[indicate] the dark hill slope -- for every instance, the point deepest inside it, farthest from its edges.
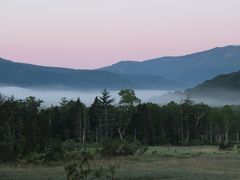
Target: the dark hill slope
(27, 75)
(226, 82)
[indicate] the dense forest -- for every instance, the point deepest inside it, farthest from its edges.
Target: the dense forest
(26, 127)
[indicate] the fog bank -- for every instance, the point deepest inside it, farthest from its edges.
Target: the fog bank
(215, 98)
(53, 97)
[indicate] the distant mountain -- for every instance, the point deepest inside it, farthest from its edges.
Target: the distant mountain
(162, 73)
(27, 75)
(223, 83)
(188, 70)
(223, 89)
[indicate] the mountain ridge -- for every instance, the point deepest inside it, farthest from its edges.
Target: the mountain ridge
(169, 72)
(29, 75)
(177, 56)
(190, 69)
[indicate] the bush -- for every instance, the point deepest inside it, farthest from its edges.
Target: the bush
(118, 148)
(35, 158)
(5, 152)
(9, 152)
(54, 151)
(110, 148)
(81, 169)
(70, 145)
(72, 155)
(77, 170)
(228, 146)
(76, 155)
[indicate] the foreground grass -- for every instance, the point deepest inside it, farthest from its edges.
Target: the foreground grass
(199, 162)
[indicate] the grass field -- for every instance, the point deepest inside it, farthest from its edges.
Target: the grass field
(198, 162)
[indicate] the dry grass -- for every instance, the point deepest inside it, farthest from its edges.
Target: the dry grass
(200, 162)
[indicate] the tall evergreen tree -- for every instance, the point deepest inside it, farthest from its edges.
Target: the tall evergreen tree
(106, 103)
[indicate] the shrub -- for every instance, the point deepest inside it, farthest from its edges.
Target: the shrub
(122, 148)
(54, 151)
(77, 170)
(35, 158)
(110, 148)
(5, 152)
(72, 155)
(70, 145)
(223, 146)
(81, 169)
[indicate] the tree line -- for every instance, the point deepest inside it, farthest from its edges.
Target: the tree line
(25, 126)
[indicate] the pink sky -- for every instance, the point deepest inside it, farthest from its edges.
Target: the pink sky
(95, 33)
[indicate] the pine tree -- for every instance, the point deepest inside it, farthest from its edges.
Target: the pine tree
(106, 103)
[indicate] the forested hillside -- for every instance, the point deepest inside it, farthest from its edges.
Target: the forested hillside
(223, 88)
(226, 82)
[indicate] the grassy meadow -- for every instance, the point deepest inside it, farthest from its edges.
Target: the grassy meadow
(196, 162)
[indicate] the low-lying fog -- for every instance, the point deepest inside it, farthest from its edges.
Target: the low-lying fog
(218, 98)
(53, 97)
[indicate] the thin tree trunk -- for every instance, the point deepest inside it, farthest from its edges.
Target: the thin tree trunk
(111, 132)
(226, 138)
(188, 133)
(106, 121)
(181, 122)
(96, 135)
(80, 125)
(226, 135)
(100, 129)
(135, 134)
(237, 137)
(84, 127)
(21, 127)
(211, 132)
(120, 134)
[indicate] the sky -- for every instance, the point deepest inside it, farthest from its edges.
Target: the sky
(88, 34)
